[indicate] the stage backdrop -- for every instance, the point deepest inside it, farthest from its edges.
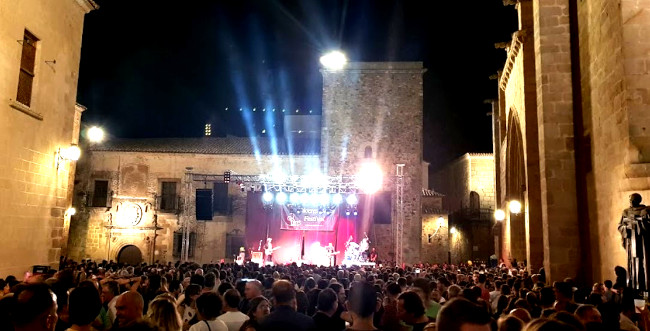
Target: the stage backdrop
(300, 237)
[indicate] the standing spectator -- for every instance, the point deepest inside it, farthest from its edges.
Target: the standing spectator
(129, 308)
(163, 314)
(285, 316)
(340, 310)
(460, 314)
(252, 290)
(363, 304)
(564, 297)
(389, 319)
(327, 305)
(83, 307)
(410, 310)
(208, 307)
(259, 310)
(187, 308)
(232, 316)
(34, 308)
(431, 307)
(110, 291)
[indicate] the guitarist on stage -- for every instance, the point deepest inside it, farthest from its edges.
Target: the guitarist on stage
(268, 251)
(329, 249)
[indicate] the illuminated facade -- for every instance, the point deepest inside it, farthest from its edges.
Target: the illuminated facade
(39, 119)
(133, 193)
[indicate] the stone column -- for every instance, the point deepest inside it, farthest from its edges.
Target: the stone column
(556, 139)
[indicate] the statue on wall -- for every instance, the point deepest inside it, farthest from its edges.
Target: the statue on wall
(635, 234)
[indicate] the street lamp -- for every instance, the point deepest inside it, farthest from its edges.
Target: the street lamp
(514, 206)
(499, 215)
(95, 134)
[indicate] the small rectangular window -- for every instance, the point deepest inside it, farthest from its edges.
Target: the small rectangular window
(100, 193)
(27, 66)
(168, 198)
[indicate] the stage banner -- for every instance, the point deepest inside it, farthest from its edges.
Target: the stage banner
(308, 220)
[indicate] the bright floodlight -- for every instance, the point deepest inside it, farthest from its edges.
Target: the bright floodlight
(370, 178)
(334, 60)
(352, 200)
(71, 153)
(267, 197)
(452, 230)
(304, 198)
(281, 198)
(71, 211)
(441, 221)
(324, 199)
(499, 215)
(514, 206)
(95, 134)
(294, 198)
(337, 198)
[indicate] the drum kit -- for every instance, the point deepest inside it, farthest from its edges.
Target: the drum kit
(356, 252)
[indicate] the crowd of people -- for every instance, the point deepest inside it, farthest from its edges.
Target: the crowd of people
(88, 295)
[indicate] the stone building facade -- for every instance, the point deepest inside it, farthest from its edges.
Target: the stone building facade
(357, 127)
(39, 64)
(435, 228)
(468, 184)
(571, 139)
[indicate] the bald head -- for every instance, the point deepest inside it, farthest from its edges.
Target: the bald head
(129, 307)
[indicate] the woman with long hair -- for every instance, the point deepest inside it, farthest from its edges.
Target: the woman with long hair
(187, 307)
(259, 308)
(162, 313)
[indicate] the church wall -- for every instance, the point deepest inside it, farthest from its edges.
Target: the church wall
(34, 193)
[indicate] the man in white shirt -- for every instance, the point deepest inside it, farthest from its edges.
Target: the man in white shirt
(232, 316)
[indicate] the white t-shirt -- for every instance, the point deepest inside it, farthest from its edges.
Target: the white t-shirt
(215, 325)
(233, 319)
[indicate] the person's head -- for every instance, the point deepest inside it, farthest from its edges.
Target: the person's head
(253, 289)
(284, 293)
(521, 314)
(423, 285)
(34, 308)
(259, 308)
(546, 296)
(129, 307)
(460, 314)
(635, 199)
(162, 313)
(567, 318)
(588, 313)
(209, 306)
(110, 290)
(328, 301)
(410, 307)
(363, 300)
(340, 292)
(608, 284)
(510, 323)
(393, 290)
(210, 280)
(232, 298)
(84, 305)
(563, 291)
(454, 291)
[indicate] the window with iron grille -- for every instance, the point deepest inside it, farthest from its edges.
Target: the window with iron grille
(100, 194)
(27, 64)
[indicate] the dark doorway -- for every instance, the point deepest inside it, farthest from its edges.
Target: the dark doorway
(129, 254)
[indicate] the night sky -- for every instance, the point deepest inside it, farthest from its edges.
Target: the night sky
(164, 69)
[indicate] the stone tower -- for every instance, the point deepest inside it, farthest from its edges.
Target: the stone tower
(374, 111)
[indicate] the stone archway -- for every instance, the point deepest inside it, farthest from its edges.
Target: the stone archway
(130, 254)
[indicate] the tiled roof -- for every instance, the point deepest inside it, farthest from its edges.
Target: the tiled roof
(431, 193)
(212, 145)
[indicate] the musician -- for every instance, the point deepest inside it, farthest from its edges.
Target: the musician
(364, 245)
(329, 249)
(268, 251)
(373, 255)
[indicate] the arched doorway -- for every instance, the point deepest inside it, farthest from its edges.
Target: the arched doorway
(129, 254)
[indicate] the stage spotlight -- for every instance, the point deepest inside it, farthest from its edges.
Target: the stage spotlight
(370, 178)
(347, 212)
(337, 198)
(324, 199)
(304, 199)
(294, 198)
(352, 200)
(267, 197)
(355, 213)
(281, 198)
(298, 211)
